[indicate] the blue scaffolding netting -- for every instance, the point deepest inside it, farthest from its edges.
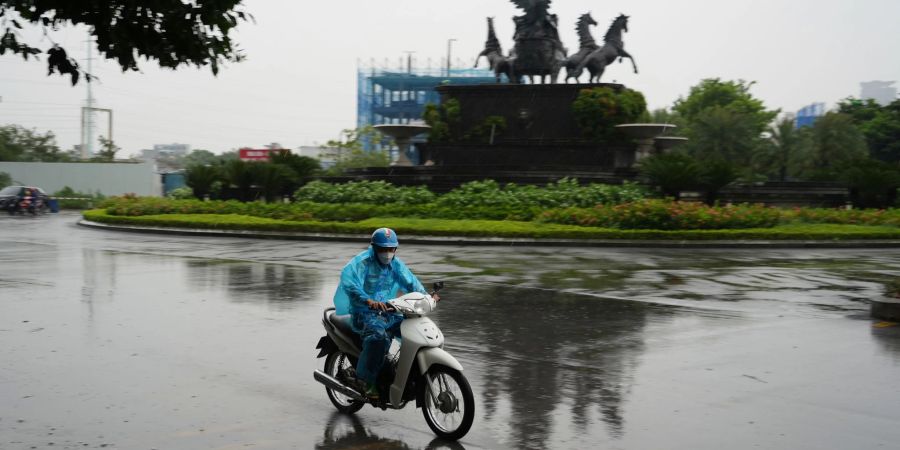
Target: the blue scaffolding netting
(396, 96)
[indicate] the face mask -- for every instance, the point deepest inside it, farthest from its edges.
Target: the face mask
(385, 257)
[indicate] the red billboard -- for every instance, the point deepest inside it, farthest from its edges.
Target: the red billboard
(255, 154)
(259, 154)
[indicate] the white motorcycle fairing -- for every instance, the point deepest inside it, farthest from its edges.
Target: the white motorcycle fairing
(421, 341)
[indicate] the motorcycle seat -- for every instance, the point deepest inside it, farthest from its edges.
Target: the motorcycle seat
(342, 323)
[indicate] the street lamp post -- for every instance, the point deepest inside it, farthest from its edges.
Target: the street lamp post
(449, 42)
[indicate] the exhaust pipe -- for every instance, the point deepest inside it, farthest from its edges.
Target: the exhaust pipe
(332, 383)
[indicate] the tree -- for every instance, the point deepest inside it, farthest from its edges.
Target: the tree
(722, 119)
(721, 133)
(834, 141)
(108, 150)
(172, 32)
(664, 115)
(304, 167)
(5, 179)
(21, 144)
(879, 124)
(872, 183)
(714, 175)
(274, 179)
(349, 152)
(198, 157)
(779, 154)
(240, 175)
(732, 95)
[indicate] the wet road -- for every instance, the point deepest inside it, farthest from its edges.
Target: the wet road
(118, 340)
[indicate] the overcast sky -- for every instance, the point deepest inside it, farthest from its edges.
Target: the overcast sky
(298, 85)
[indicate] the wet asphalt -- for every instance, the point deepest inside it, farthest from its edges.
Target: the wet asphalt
(141, 341)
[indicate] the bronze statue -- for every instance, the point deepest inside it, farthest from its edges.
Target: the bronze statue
(494, 53)
(613, 48)
(586, 46)
(538, 52)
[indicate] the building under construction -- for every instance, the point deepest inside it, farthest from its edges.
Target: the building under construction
(386, 96)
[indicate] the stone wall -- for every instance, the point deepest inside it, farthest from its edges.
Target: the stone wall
(540, 113)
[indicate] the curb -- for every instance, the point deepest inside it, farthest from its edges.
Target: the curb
(497, 241)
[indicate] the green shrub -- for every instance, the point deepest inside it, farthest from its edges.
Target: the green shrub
(598, 110)
(181, 193)
(374, 192)
(564, 193)
(671, 172)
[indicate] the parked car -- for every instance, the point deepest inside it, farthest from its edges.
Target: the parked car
(23, 199)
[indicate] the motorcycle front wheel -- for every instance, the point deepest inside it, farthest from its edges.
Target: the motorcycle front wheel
(337, 365)
(447, 402)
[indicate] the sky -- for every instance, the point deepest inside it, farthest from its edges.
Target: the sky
(298, 84)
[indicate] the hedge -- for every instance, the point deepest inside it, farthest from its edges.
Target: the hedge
(489, 228)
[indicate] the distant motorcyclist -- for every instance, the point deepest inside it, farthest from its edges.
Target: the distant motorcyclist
(26, 200)
(370, 279)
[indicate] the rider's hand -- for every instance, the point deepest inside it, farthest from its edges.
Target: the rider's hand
(377, 306)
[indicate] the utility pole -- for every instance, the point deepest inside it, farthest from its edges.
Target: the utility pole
(87, 112)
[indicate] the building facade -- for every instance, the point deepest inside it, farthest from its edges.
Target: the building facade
(808, 115)
(883, 92)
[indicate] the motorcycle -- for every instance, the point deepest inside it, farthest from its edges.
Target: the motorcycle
(419, 370)
(28, 204)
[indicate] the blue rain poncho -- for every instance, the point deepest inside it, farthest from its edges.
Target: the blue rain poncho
(365, 278)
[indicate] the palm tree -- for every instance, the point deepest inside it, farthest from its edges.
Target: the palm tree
(273, 178)
(200, 178)
(715, 174)
(241, 175)
(782, 147)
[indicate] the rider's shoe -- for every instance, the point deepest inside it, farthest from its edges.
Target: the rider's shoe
(372, 392)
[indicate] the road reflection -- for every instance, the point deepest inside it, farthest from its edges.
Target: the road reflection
(280, 286)
(348, 432)
(542, 350)
(887, 335)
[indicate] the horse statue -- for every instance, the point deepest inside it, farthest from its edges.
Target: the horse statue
(501, 65)
(613, 48)
(586, 45)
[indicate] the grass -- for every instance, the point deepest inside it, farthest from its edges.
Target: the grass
(496, 228)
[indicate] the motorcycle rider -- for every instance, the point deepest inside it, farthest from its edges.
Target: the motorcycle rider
(370, 279)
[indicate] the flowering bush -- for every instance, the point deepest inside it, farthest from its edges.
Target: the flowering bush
(656, 214)
(844, 216)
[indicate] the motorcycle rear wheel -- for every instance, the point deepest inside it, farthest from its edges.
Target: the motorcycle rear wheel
(447, 402)
(336, 365)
